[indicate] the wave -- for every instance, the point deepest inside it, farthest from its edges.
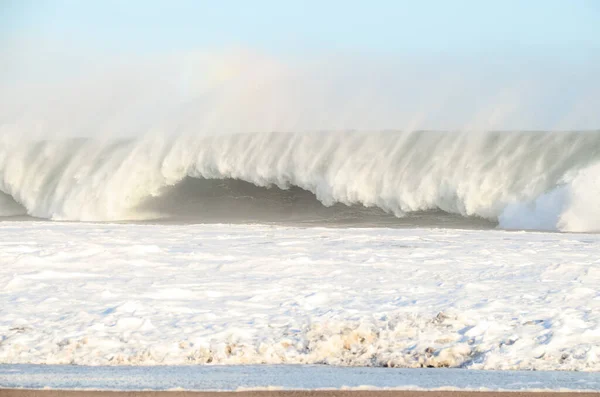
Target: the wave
(520, 180)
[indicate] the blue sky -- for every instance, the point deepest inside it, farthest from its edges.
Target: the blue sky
(461, 27)
(506, 64)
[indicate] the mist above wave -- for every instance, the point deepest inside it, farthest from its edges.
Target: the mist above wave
(244, 91)
(541, 180)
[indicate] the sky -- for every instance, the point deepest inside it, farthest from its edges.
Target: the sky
(539, 27)
(533, 61)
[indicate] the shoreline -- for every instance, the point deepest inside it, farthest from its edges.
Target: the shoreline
(285, 380)
(288, 393)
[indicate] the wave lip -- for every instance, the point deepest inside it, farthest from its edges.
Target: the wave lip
(522, 180)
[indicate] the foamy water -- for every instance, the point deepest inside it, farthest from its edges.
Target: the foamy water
(105, 294)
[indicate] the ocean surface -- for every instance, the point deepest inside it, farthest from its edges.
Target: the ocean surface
(379, 249)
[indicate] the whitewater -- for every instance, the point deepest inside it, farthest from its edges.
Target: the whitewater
(513, 180)
(344, 248)
(209, 294)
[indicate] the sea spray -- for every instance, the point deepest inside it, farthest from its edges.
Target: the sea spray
(534, 180)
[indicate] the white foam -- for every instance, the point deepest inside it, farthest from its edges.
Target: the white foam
(95, 294)
(582, 211)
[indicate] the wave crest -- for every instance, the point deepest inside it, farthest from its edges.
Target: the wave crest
(536, 180)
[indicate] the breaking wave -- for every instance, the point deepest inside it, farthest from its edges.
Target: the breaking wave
(520, 180)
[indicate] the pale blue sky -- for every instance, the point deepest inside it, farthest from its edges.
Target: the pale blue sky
(506, 64)
(463, 27)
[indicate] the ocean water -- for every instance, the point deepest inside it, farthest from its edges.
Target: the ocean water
(380, 249)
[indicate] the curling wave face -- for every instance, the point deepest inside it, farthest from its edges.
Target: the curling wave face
(529, 180)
